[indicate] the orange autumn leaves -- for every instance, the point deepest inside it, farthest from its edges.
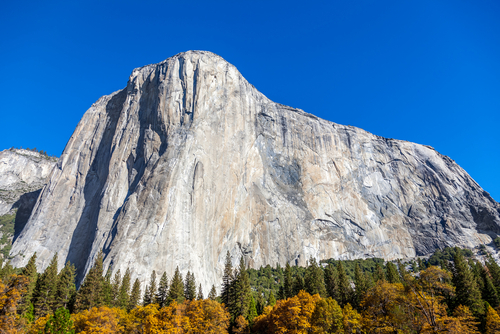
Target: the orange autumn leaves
(196, 316)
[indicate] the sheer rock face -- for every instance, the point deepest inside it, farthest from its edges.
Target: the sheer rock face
(21, 172)
(190, 161)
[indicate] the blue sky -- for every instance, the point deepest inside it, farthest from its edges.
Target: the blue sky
(422, 71)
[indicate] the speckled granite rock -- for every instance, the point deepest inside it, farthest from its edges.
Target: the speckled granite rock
(190, 160)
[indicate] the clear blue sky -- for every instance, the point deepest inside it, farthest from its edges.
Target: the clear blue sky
(423, 71)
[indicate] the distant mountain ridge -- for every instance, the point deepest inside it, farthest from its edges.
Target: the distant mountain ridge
(190, 161)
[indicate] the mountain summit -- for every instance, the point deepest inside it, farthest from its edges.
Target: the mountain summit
(190, 161)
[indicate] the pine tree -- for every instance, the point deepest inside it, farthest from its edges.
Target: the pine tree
(404, 275)
(161, 296)
(108, 289)
(150, 291)
(494, 270)
(345, 289)
(124, 293)
(421, 265)
(261, 302)
(314, 279)
(213, 293)
(190, 287)
(176, 291)
(31, 273)
(135, 295)
(488, 291)
(200, 294)
(227, 281)
(60, 322)
(45, 290)
(271, 301)
(288, 282)
(392, 273)
(298, 284)
(378, 274)
(241, 292)
(331, 281)
(115, 289)
(361, 286)
(467, 291)
(91, 292)
(65, 287)
(252, 310)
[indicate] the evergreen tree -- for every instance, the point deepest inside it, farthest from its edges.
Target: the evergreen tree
(190, 287)
(227, 281)
(65, 286)
(467, 291)
(213, 293)
(135, 295)
(488, 291)
(404, 275)
(200, 293)
(124, 293)
(314, 280)
(361, 286)
(392, 273)
(108, 289)
(45, 290)
(345, 289)
(331, 281)
(91, 292)
(421, 264)
(494, 270)
(161, 296)
(31, 273)
(241, 292)
(378, 274)
(176, 291)
(115, 289)
(150, 291)
(252, 310)
(288, 282)
(271, 301)
(298, 284)
(59, 323)
(261, 302)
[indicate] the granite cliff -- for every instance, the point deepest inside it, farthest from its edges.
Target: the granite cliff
(190, 161)
(23, 173)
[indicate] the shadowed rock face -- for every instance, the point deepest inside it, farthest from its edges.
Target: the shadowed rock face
(190, 161)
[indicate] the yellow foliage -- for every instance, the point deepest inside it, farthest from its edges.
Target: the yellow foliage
(38, 326)
(327, 317)
(241, 326)
(207, 316)
(10, 296)
(492, 321)
(351, 320)
(291, 316)
(98, 320)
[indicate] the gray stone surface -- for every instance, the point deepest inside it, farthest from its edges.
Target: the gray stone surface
(21, 172)
(190, 161)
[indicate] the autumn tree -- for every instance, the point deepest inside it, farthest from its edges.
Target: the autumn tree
(98, 320)
(351, 320)
(11, 293)
(327, 317)
(492, 321)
